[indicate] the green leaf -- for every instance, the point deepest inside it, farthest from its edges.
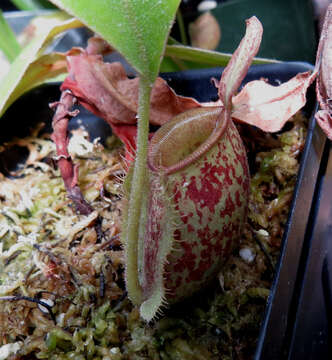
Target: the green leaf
(32, 4)
(137, 29)
(168, 65)
(46, 67)
(27, 71)
(8, 42)
(202, 56)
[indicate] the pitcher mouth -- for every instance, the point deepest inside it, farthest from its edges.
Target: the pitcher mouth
(187, 137)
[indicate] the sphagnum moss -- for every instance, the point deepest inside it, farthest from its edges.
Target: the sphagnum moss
(49, 253)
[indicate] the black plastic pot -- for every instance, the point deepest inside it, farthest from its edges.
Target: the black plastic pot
(281, 317)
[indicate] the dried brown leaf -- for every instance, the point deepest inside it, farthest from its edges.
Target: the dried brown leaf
(324, 80)
(105, 89)
(240, 62)
(269, 107)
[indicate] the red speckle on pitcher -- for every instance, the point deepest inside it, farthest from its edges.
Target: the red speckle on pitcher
(212, 202)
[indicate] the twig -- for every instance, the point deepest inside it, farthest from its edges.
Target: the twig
(69, 171)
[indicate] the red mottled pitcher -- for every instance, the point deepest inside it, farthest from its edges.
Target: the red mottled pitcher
(197, 199)
(207, 196)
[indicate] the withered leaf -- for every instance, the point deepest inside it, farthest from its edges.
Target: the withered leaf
(269, 107)
(324, 80)
(105, 89)
(240, 62)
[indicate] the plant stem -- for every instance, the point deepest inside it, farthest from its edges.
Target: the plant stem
(8, 42)
(182, 28)
(137, 207)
